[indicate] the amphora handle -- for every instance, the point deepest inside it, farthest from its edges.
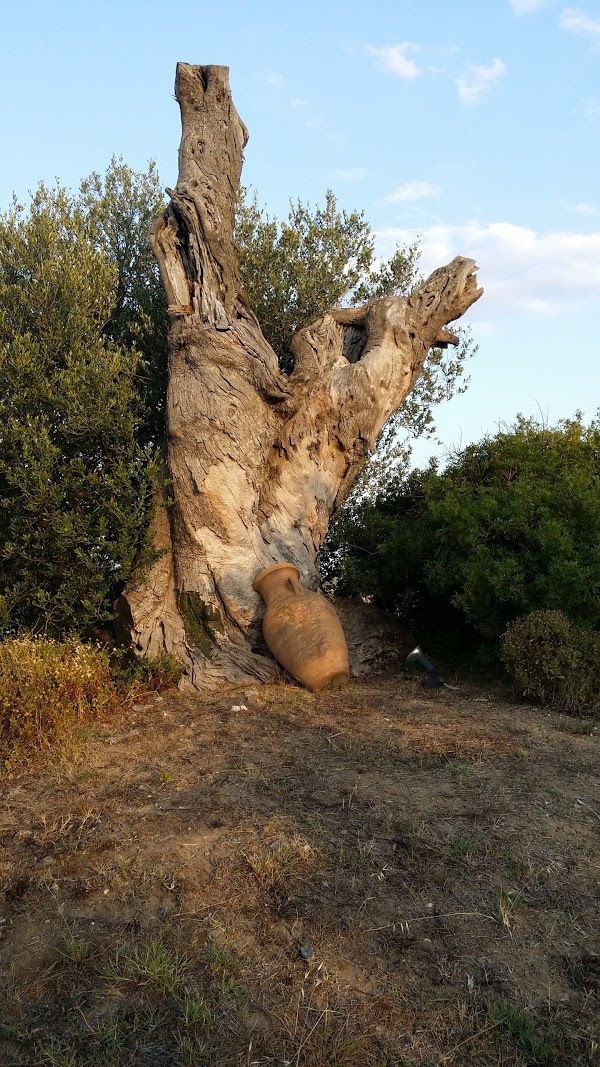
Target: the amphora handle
(295, 585)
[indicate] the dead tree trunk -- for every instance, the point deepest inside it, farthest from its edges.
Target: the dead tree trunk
(257, 461)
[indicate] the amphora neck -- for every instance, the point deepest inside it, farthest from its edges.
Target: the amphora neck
(278, 583)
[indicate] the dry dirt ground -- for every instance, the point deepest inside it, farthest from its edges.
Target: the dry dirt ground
(382, 875)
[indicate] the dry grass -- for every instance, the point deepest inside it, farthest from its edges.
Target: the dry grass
(51, 691)
(48, 689)
(372, 878)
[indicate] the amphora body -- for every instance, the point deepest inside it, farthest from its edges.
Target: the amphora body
(302, 629)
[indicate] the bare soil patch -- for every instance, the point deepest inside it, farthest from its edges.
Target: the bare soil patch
(378, 875)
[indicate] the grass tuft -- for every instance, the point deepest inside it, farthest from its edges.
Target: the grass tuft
(152, 965)
(275, 866)
(197, 1012)
(507, 903)
(49, 689)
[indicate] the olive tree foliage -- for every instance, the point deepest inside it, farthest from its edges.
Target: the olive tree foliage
(121, 207)
(319, 258)
(82, 347)
(295, 269)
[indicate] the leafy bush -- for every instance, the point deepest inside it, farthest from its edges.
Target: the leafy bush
(48, 689)
(552, 661)
(80, 321)
(511, 526)
(120, 208)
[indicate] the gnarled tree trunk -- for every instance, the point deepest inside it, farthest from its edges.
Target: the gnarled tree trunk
(257, 461)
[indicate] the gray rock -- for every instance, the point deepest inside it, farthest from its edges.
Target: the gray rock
(307, 951)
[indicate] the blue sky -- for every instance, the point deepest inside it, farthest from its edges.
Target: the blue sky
(473, 126)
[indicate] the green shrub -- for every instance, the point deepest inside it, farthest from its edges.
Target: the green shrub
(512, 525)
(48, 689)
(552, 661)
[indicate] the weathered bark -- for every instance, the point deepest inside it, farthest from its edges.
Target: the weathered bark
(257, 461)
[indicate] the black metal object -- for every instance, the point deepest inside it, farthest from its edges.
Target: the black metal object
(418, 657)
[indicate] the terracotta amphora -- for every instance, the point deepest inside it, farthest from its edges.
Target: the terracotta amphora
(302, 629)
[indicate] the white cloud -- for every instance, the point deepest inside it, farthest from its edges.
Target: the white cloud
(395, 59)
(584, 209)
(411, 191)
(274, 79)
(573, 20)
(479, 81)
(355, 174)
(521, 270)
(524, 7)
(297, 103)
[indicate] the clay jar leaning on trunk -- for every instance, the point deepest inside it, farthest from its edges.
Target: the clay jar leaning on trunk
(302, 629)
